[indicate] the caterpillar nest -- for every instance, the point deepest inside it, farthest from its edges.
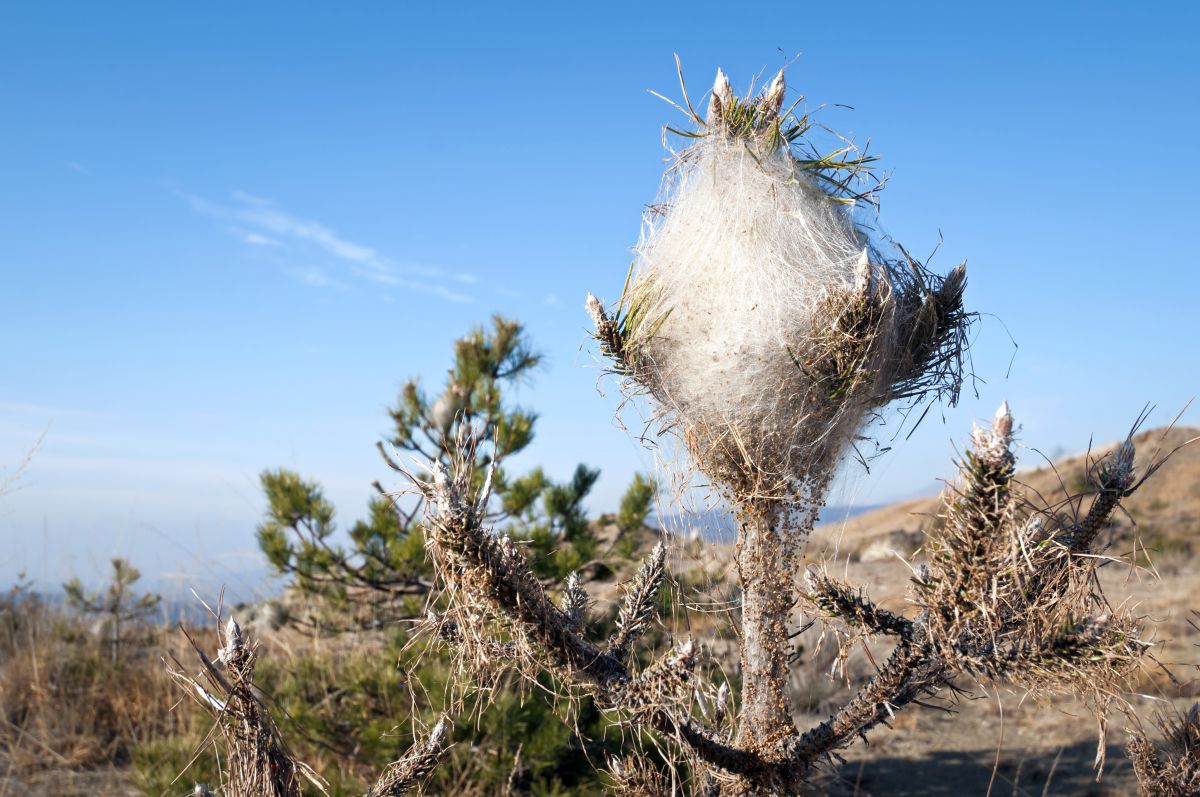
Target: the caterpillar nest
(762, 318)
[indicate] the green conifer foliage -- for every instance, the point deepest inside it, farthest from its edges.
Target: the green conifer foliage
(637, 502)
(116, 605)
(366, 574)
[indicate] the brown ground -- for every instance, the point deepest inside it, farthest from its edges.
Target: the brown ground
(95, 783)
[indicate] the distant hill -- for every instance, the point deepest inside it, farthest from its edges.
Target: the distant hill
(1165, 510)
(719, 525)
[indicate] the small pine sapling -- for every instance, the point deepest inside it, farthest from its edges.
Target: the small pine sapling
(116, 605)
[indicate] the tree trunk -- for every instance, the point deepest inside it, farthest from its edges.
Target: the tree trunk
(766, 569)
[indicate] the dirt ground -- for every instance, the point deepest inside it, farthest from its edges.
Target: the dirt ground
(100, 783)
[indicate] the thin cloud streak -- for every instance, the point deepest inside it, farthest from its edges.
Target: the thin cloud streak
(254, 239)
(261, 223)
(266, 215)
(313, 276)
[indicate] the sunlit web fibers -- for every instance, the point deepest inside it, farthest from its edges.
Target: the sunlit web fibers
(763, 319)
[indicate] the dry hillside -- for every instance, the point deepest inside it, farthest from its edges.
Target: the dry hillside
(1037, 749)
(1164, 514)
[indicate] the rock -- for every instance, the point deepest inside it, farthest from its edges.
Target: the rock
(262, 619)
(902, 543)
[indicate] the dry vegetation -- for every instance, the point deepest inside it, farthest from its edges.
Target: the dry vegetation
(1049, 744)
(74, 723)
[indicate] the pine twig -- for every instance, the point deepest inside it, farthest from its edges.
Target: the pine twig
(417, 764)
(639, 605)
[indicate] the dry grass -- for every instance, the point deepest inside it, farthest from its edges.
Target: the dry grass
(65, 706)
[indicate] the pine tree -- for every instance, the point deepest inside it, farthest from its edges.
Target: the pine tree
(384, 561)
(117, 604)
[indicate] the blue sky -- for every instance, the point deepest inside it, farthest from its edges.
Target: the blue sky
(228, 232)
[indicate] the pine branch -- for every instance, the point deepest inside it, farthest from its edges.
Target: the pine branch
(1114, 482)
(450, 633)
(480, 567)
(1004, 598)
(574, 601)
(1175, 770)
(638, 608)
(494, 570)
(662, 684)
(910, 671)
(415, 766)
(258, 762)
(855, 609)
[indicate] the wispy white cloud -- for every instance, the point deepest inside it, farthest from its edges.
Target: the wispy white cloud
(75, 166)
(254, 239)
(416, 286)
(265, 214)
(311, 275)
(261, 223)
